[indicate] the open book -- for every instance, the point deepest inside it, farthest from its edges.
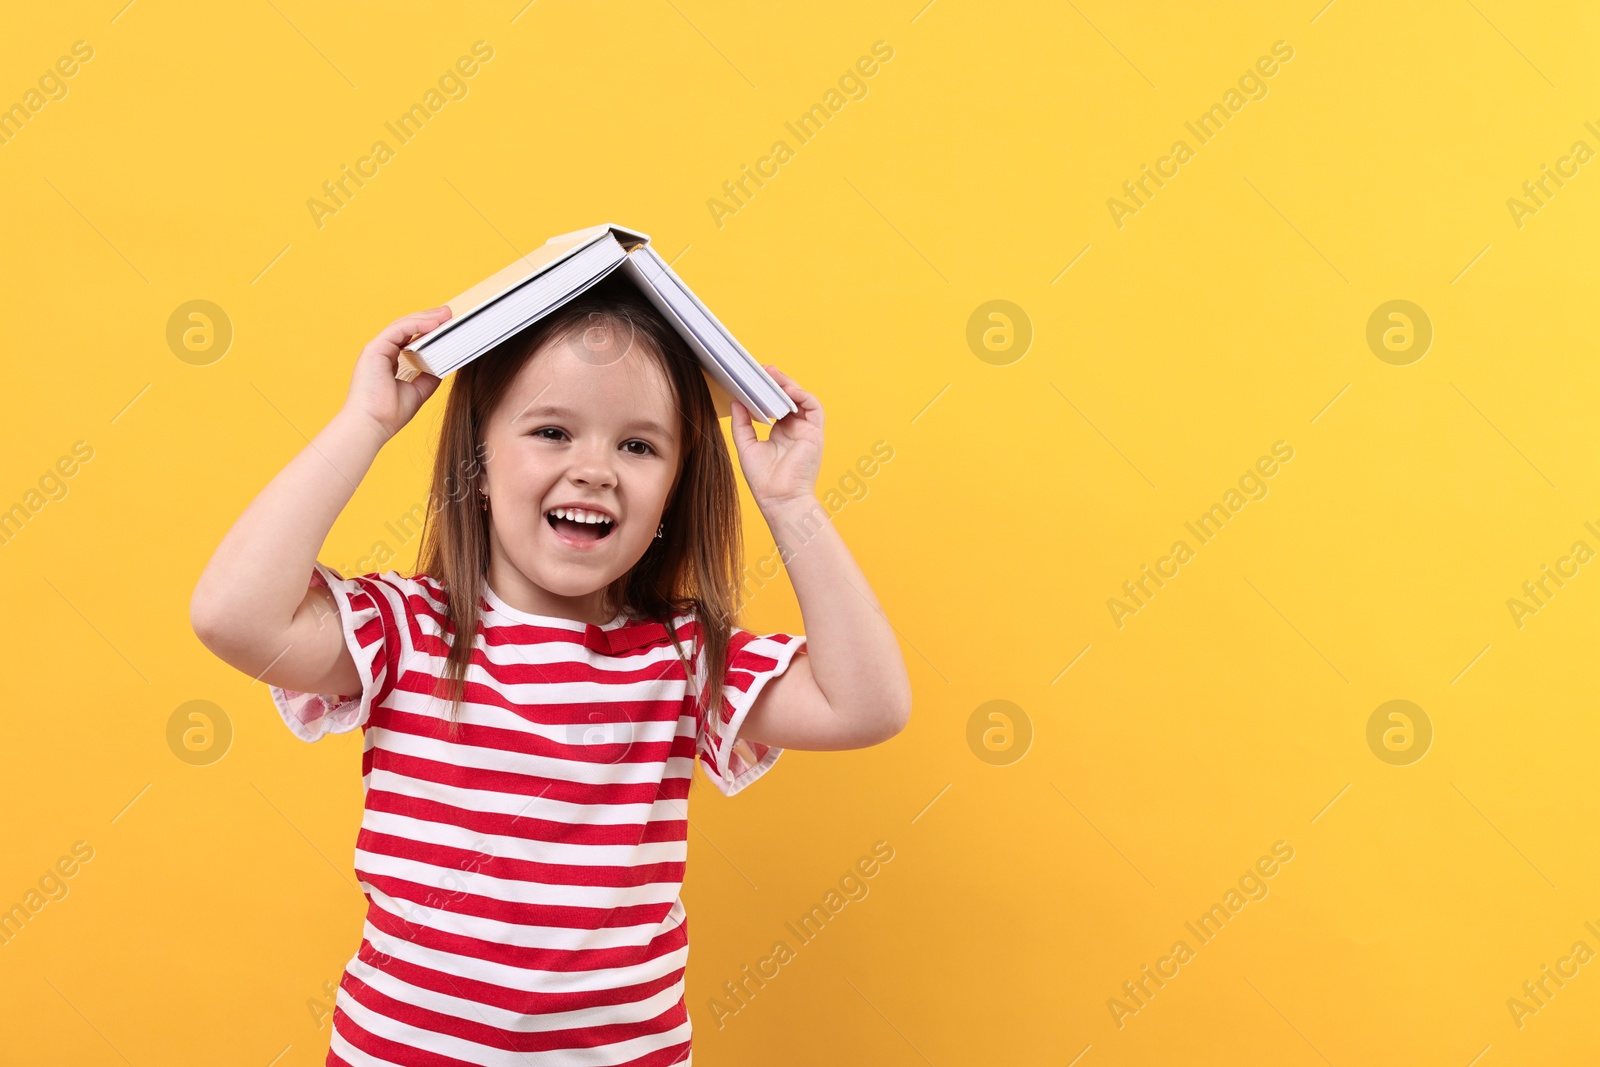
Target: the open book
(536, 284)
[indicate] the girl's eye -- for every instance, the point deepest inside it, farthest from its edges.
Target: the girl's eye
(555, 433)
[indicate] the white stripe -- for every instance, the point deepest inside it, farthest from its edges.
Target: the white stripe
(668, 708)
(513, 891)
(354, 1056)
(581, 735)
(490, 1015)
(486, 1056)
(527, 935)
(545, 653)
(548, 691)
(501, 846)
(533, 805)
(523, 978)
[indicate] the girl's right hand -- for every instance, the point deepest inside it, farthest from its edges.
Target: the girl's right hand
(375, 393)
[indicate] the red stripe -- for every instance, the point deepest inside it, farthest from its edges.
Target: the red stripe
(535, 959)
(474, 1029)
(406, 1056)
(579, 729)
(526, 827)
(629, 637)
(392, 1051)
(435, 897)
(528, 785)
(522, 1001)
(514, 869)
(388, 632)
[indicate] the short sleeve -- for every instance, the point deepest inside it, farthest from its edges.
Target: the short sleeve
(730, 761)
(371, 614)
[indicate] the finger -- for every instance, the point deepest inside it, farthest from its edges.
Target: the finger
(417, 322)
(789, 385)
(744, 432)
(404, 330)
(438, 314)
(778, 375)
(809, 405)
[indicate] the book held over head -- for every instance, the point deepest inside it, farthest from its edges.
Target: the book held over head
(527, 290)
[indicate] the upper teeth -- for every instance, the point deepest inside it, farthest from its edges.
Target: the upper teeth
(579, 515)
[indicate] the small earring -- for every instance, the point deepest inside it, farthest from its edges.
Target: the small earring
(483, 501)
(659, 528)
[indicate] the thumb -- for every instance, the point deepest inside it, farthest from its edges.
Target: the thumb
(744, 432)
(423, 385)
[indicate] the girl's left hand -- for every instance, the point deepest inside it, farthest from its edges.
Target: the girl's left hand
(784, 467)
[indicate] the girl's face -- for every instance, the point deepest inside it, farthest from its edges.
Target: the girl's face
(579, 428)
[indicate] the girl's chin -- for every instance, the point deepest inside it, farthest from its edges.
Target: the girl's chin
(567, 583)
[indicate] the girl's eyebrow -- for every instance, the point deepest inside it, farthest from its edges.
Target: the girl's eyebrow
(557, 412)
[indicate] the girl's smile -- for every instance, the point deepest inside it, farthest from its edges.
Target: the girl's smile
(580, 526)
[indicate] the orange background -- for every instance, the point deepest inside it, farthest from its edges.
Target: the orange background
(1137, 772)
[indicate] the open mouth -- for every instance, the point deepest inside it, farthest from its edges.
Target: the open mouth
(575, 524)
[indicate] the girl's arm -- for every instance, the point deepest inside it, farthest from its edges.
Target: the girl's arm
(253, 606)
(850, 689)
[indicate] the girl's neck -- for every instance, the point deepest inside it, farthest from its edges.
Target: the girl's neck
(518, 591)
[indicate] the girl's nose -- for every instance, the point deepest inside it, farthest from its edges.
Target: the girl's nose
(594, 471)
(594, 479)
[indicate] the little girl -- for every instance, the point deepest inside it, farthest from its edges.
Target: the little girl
(533, 702)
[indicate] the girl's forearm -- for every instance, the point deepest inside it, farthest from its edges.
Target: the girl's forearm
(257, 577)
(853, 654)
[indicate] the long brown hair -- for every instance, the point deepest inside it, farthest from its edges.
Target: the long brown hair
(694, 566)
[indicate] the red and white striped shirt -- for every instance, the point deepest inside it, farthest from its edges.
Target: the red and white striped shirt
(523, 876)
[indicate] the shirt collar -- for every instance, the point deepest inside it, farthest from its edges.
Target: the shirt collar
(632, 635)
